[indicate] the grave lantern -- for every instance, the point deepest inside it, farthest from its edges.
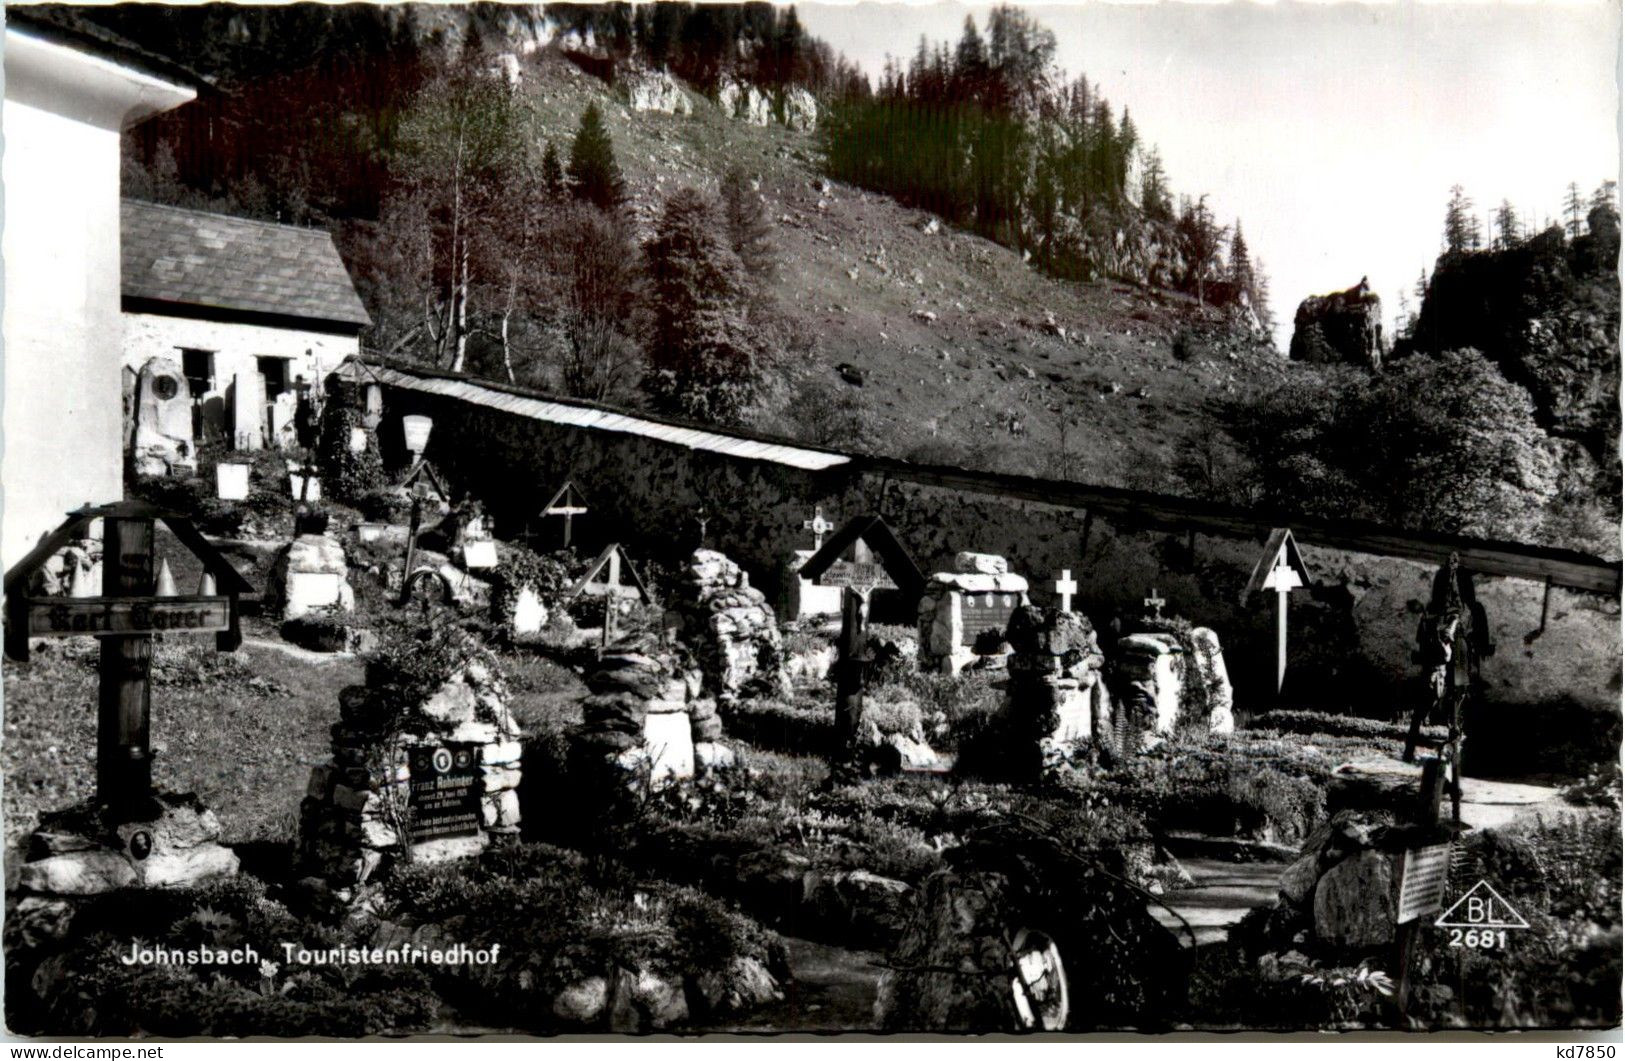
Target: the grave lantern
(416, 431)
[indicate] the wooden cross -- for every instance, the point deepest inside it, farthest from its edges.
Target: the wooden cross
(138, 600)
(819, 527)
(1065, 587)
(1155, 603)
(565, 504)
(612, 589)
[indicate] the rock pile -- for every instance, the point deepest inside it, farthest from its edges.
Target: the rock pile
(441, 775)
(1148, 688)
(1054, 696)
(79, 851)
(1340, 893)
(650, 721)
(730, 628)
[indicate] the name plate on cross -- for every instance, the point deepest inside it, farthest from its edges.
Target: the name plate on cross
(100, 616)
(859, 575)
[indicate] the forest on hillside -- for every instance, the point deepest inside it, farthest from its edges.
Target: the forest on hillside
(992, 136)
(483, 242)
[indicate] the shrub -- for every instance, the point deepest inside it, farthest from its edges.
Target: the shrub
(89, 991)
(549, 575)
(346, 474)
(1312, 722)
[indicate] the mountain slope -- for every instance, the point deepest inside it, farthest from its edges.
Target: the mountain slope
(966, 354)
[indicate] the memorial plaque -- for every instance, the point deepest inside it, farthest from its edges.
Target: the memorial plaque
(862, 576)
(1423, 876)
(445, 797)
(102, 616)
(986, 611)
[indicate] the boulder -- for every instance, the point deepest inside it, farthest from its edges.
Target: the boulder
(1354, 902)
(1209, 668)
(980, 564)
(583, 1002)
(742, 986)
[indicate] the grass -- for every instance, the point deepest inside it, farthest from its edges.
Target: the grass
(241, 730)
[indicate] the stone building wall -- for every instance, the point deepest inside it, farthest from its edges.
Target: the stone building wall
(1351, 635)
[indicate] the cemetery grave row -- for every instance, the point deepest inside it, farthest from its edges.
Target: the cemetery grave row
(430, 765)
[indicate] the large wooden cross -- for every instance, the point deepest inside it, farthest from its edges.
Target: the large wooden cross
(1281, 569)
(124, 618)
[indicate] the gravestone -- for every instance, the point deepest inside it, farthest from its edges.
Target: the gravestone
(310, 573)
(231, 481)
(1147, 689)
(650, 721)
(479, 551)
(529, 613)
(247, 409)
(284, 412)
(958, 607)
(163, 443)
(1054, 685)
(440, 776)
(1207, 667)
(729, 626)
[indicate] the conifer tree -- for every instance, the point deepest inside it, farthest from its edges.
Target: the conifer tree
(1507, 232)
(1459, 225)
(552, 172)
(594, 175)
(701, 358)
(749, 230)
(1574, 212)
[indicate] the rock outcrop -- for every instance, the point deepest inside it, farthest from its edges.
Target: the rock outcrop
(1547, 312)
(659, 92)
(1340, 328)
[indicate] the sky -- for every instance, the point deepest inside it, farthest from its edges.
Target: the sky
(1333, 131)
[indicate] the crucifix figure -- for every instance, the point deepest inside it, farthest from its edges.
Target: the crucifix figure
(1065, 586)
(702, 518)
(819, 527)
(1155, 603)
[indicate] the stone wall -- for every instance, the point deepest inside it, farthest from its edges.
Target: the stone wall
(1351, 635)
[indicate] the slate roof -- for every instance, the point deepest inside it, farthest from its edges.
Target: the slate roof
(204, 261)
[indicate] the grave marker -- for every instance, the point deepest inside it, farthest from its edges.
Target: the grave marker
(1281, 569)
(1065, 587)
(124, 617)
(1154, 603)
(819, 527)
(611, 562)
(566, 505)
(444, 796)
(863, 556)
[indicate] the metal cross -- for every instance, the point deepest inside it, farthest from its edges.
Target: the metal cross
(701, 517)
(1155, 603)
(819, 527)
(1065, 587)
